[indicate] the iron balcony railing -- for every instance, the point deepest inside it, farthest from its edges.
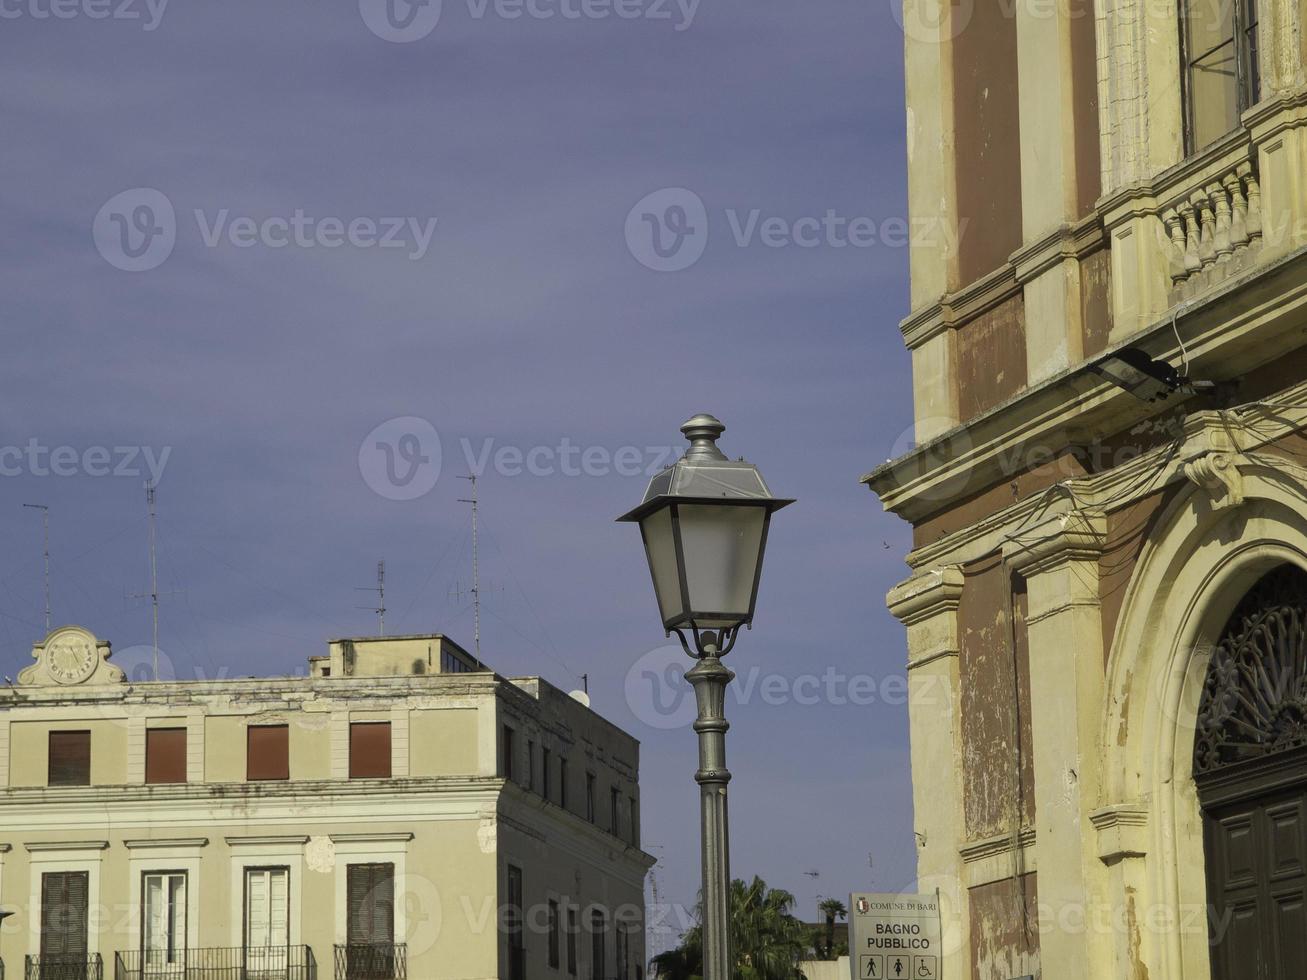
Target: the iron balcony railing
(218, 963)
(372, 961)
(63, 967)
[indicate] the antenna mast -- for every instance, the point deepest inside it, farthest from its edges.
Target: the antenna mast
(153, 594)
(476, 570)
(45, 527)
(380, 590)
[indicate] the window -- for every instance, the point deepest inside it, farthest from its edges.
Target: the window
(635, 821)
(1220, 66)
(598, 954)
(370, 908)
(562, 783)
(451, 664)
(530, 765)
(623, 951)
(554, 926)
(267, 752)
(65, 897)
(70, 759)
(513, 926)
(614, 812)
(369, 750)
(544, 765)
(508, 750)
(165, 755)
(163, 919)
(267, 912)
(571, 941)
(590, 796)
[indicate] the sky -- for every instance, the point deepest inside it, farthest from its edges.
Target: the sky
(307, 264)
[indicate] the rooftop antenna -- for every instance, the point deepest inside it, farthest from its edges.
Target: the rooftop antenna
(476, 569)
(380, 590)
(153, 594)
(45, 526)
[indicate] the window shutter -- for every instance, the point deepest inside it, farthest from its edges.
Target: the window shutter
(370, 901)
(70, 759)
(165, 755)
(267, 752)
(64, 905)
(369, 750)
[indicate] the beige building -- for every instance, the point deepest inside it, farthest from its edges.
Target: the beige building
(1106, 602)
(401, 812)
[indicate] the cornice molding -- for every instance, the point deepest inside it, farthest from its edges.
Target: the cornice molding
(1068, 241)
(927, 595)
(1122, 831)
(44, 846)
(1074, 536)
(1076, 406)
(145, 844)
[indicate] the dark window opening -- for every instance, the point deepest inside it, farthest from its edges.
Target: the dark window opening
(70, 759)
(165, 755)
(369, 750)
(1221, 74)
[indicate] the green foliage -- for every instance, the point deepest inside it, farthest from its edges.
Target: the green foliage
(833, 909)
(766, 939)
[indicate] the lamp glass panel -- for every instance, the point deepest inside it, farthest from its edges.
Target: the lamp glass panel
(660, 546)
(722, 545)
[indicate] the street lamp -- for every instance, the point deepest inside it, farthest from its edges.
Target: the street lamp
(704, 522)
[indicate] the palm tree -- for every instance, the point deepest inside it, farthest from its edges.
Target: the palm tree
(833, 909)
(766, 939)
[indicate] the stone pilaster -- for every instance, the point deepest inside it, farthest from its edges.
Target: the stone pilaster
(927, 604)
(1059, 561)
(1122, 847)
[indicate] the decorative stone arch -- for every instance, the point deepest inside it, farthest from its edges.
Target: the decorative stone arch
(1206, 551)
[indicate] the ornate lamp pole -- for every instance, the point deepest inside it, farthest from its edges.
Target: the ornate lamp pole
(704, 521)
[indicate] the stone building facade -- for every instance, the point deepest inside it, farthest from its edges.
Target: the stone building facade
(1106, 602)
(402, 811)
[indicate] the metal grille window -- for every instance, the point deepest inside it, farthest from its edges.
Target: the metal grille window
(70, 759)
(554, 928)
(267, 752)
(165, 755)
(513, 926)
(369, 750)
(1219, 56)
(571, 941)
(508, 749)
(598, 952)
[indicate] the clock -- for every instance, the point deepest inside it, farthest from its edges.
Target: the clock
(71, 659)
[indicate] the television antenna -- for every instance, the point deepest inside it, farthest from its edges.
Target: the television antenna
(475, 590)
(380, 590)
(45, 527)
(154, 594)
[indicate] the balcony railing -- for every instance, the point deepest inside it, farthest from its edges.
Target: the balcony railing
(218, 963)
(372, 961)
(64, 967)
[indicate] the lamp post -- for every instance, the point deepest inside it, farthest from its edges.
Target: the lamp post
(704, 522)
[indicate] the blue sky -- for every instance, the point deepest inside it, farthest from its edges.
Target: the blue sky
(510, 309)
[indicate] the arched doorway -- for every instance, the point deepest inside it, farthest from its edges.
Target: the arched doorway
(1250, 769)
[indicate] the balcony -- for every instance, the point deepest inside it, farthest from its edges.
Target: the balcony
(218, 963)
(64, 967)
(371, 961)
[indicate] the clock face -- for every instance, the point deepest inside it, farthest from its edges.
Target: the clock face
(70, 659)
